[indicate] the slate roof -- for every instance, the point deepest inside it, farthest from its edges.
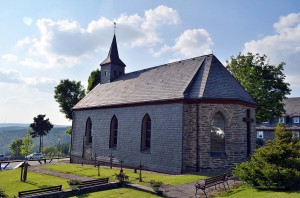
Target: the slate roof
(202, 77)
(292, 106)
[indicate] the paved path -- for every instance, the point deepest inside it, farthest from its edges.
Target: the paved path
(188, 190)
(57, 174)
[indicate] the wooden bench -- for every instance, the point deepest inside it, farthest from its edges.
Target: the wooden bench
(212, 181)
(94, 182)
(28, 193)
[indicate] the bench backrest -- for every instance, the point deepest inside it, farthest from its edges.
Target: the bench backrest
(94, 182)
(216, 179)
(39, 191)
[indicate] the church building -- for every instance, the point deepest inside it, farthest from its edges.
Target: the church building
(189, 115)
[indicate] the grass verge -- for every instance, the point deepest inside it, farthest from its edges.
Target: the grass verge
(246, 192)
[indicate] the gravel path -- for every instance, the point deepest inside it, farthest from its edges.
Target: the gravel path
(57, 174)
(188, 190)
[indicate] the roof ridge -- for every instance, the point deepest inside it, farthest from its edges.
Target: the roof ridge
(166, 64)
(191, 82)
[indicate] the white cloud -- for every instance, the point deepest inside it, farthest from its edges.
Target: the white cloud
(27, 21)
(64, 43)
(284, 45)
(21, 103)
(287, 22)
(9, 57)
(294, 80)
(25, 41)
(192, 42)
(159, 16)
(9, 76)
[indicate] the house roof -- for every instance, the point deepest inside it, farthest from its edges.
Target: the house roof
(272, 128)
(113, 55)
(202, 77)
(292, 106)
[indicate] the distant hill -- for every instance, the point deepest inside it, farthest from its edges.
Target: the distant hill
(11, 131)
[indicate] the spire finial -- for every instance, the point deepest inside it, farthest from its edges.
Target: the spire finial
(115, 27)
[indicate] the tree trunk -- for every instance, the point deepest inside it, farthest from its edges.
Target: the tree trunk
(40, 149)
(42, 144)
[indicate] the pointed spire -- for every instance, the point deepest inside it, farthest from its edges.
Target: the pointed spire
(113, 55)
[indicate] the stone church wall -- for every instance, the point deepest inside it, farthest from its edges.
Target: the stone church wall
(235, 136)
(166, 135)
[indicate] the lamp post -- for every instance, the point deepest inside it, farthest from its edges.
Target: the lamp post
(58, 147)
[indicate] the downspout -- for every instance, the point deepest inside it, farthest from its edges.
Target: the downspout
(197, 138)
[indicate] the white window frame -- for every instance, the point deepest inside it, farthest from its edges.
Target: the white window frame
(296, 120)
(296, 134)
(260, 134)
(281, 119)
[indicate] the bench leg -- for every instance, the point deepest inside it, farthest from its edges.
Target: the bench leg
(224, 186)
(205, 193)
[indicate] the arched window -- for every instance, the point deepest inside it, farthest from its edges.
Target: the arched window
(113, 139)
(146, 133)
(218, 133)
(88, 131)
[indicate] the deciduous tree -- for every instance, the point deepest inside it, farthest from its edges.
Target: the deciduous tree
(50, 151)
(15, 147)
(27, 144)
(40, 127)
(94, 79)
(264, 82)
(68, 94)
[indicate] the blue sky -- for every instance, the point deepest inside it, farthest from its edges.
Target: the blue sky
(42, 42)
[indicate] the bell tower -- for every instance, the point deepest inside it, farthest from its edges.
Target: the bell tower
(112, 66)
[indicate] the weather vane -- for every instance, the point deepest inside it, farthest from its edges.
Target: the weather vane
(115, 27)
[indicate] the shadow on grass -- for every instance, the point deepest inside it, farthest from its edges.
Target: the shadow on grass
(37, 184)
(83, 196)
(278, 190)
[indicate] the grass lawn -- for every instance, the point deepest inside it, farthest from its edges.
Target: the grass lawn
(121, 192)
(253, 193)
(91, 171)
(10, 181)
